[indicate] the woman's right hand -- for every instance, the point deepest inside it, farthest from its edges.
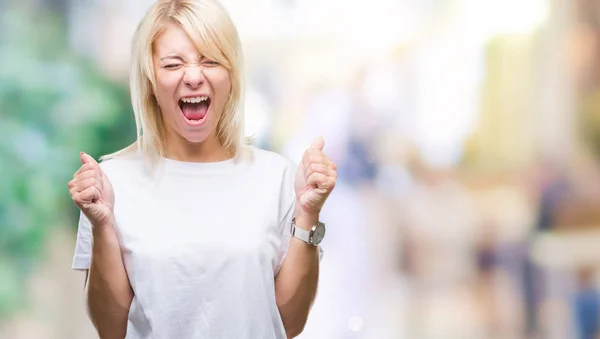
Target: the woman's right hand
(92, 192)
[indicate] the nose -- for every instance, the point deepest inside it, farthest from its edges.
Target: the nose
(193, 76)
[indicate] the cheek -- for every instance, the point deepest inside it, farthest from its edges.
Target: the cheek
(225, 83)
(167, 82)
(166, 85)
(221, 82)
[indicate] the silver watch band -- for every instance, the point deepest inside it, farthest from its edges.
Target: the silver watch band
(314, 236)
(300, 233)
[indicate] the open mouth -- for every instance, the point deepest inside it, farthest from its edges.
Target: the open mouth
(194, 109)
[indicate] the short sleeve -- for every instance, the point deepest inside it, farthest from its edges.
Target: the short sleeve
(83, 246)
(285, 227)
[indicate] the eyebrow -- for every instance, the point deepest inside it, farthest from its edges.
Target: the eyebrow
(176, 57)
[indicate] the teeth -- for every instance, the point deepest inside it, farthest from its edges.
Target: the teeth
(194, 100)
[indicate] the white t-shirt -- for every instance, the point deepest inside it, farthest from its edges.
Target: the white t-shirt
(201, 243)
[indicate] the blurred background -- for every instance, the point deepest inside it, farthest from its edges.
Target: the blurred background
(467, 134)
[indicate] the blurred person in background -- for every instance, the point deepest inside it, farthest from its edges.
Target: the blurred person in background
(553, 188)
(189, 232)
(586, 305)
(487, 266)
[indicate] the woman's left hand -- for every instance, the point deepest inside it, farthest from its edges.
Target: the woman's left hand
(315, 179)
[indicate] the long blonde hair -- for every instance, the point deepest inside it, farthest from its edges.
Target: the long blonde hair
(210, 28)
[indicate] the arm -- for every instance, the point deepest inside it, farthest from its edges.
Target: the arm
(296, 282)
(108, 293)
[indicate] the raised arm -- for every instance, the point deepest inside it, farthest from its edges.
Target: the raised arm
(296, 282)
(108, 292)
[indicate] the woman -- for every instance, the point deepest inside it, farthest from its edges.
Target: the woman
(190, 233)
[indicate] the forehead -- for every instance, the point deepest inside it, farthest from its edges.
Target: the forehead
(174, 41)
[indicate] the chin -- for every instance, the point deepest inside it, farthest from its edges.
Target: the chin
(195, 138)
(195, 134)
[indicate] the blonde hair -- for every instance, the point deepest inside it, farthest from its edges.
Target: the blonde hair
(208, 25)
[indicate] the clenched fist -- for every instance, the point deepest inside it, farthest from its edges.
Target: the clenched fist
(315, 179)
(92, 192)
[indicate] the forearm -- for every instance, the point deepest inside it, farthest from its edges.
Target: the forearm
(108, 290)
(296, 282)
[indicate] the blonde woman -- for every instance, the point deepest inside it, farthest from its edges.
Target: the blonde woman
(189, 232)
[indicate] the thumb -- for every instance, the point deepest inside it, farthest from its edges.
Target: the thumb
(319, 143)
(85, 158)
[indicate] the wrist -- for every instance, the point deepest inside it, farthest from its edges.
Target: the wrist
(104, 228)
(306, 220)
(308, 229)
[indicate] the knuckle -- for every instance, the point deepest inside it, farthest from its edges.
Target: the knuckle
(77, 198)
(85, 194)
(86, 183)
(86, 170)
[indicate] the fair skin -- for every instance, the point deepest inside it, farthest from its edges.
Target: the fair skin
(108, 292)
(296, 282)
(182, 72)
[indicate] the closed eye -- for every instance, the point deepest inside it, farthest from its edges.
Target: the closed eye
(172, 66)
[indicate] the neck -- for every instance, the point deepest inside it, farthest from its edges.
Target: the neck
(209, 150)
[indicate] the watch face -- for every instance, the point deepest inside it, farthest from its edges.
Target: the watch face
(318, 234)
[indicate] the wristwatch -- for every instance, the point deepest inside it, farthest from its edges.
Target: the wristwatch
(313, 237)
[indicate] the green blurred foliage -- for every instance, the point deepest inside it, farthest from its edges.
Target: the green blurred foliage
(53, 104)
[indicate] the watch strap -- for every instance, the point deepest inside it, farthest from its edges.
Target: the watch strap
(300, 233)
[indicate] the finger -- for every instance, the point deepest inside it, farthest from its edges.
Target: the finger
(83, 168)
(318, 168)
(83, 181)
(324, 159)
(317, 161)
(321, 181)
(333, 166)
(85, 184)
(87, 159)
(313, 155)
(86, 175)
(319, 143)
(87, 196)
(73, 185)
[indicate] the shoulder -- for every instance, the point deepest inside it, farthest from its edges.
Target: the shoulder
(124, 165)
(274, 173)
(271, 161)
